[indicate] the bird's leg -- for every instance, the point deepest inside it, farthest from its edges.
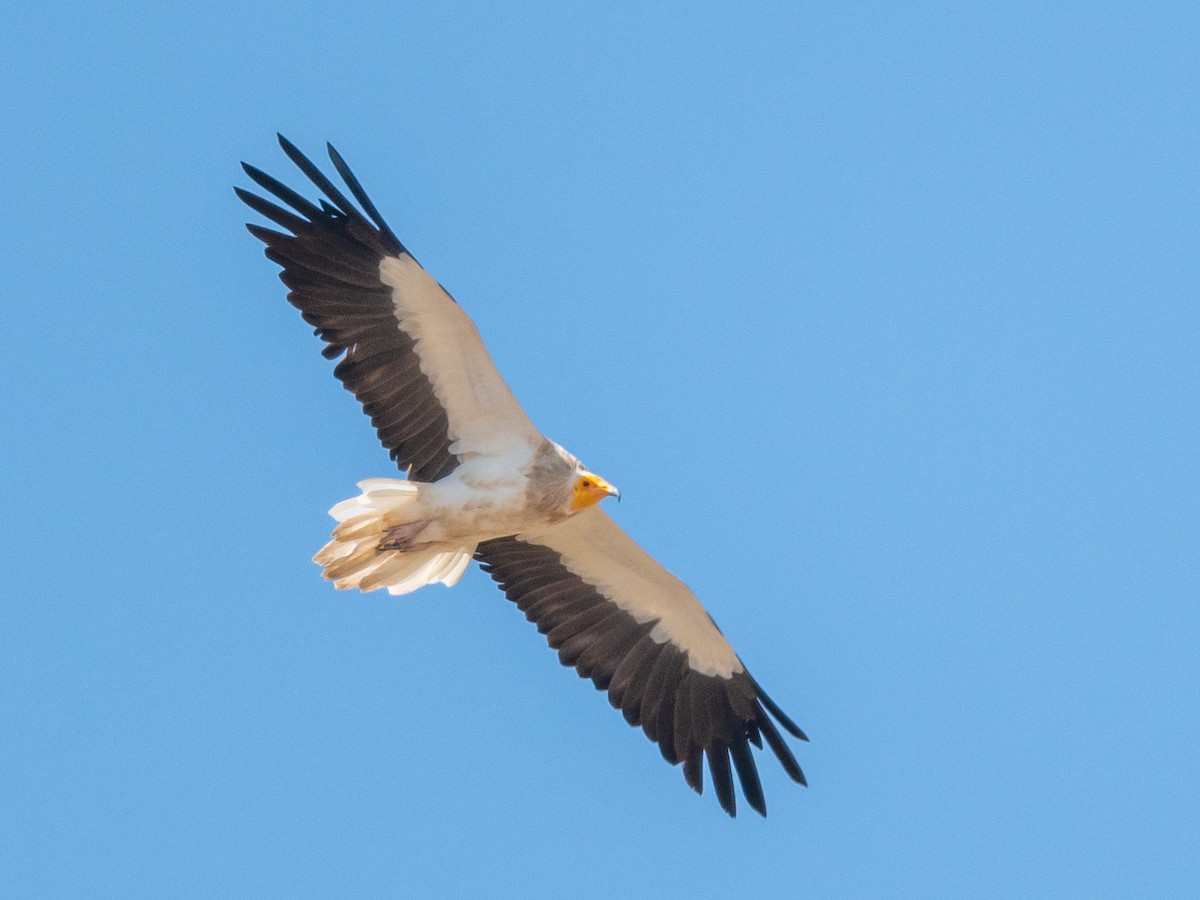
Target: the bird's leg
(401, 537)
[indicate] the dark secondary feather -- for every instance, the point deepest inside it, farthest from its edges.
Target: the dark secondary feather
(330, 255)
(691, 716)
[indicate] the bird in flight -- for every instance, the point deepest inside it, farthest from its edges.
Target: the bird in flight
(483, 483)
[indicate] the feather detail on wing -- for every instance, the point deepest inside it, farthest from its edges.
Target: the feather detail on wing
(628, 624)
(408, 352)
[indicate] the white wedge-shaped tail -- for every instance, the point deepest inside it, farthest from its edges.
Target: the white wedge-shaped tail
(353, 558)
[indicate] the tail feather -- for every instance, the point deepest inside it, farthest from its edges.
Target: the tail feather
(358, 527)
(357, 560)
(377, 494)
(410, 571)
(352, 559)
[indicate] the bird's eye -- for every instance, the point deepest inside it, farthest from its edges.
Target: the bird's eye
(585, 483)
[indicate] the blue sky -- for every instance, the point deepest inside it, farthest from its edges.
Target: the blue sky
(885, 322)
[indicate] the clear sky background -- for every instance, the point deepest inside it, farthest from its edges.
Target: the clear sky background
(884, 320)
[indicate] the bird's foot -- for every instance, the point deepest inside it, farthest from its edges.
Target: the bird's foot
(401, 537)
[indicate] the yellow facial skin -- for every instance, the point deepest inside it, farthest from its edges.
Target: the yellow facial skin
(590, 489)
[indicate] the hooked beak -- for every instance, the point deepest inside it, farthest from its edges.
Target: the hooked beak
(591, 489)
(609, 490)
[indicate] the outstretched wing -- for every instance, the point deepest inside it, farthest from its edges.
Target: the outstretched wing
(408, 352)
(636, 630)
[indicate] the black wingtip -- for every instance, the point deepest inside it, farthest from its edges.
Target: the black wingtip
(693, 770)
(791, 727)
(303, 163)
(780, 748)
(356, 188)
(722, 778)
(289, 148)
(747, 772)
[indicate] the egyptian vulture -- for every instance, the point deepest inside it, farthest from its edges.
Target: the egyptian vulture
(483, 483)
